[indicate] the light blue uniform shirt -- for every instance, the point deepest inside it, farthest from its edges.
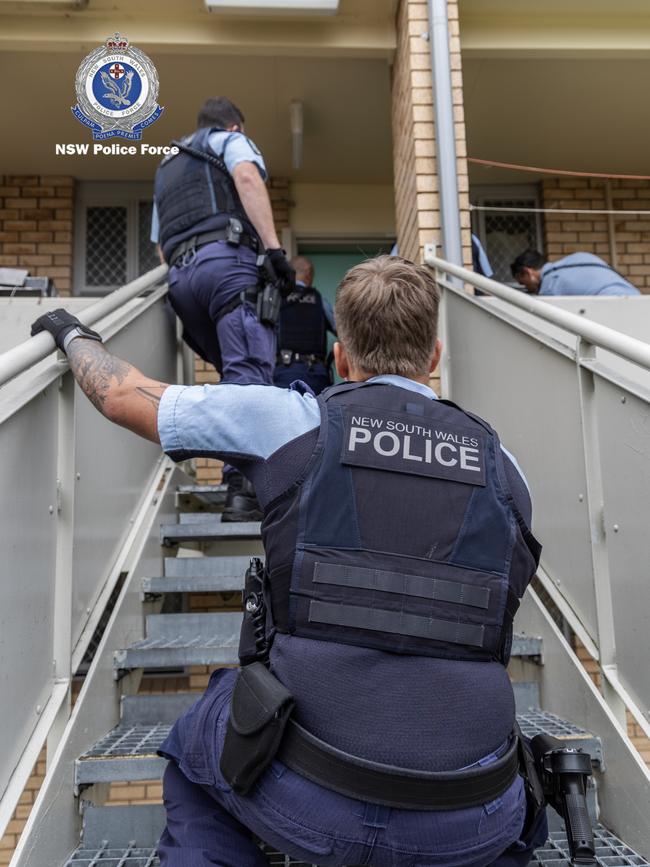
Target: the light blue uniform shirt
(233, 148)
(583, 274)
(253, 421)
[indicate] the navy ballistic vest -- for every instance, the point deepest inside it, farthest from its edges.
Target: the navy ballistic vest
(193, 196)
(402, 534)
(302, 326)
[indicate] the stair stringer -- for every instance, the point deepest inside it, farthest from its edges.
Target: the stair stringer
(54, 825)
(568, 691)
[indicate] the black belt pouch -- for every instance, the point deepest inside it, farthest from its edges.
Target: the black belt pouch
(259, 711)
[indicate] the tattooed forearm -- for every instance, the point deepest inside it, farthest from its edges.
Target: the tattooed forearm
(96, 370)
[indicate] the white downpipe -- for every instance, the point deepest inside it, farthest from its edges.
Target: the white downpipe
(445, 138)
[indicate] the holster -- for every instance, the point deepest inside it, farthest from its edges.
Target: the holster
(259, 711)
(535, 798)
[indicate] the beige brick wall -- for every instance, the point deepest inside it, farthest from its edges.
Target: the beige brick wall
(36, 226)
(417, 206)
(634, 730)
(569, 233)
(15, 827)
(208, 472)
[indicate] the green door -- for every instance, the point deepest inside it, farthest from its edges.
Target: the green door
(330, 266)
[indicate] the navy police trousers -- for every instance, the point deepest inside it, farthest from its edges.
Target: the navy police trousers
(237, 344)
(207, 824)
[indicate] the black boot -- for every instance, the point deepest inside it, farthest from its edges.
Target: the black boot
(241, 502)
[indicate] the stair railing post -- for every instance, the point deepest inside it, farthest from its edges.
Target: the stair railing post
(586, 352)
(66, 482)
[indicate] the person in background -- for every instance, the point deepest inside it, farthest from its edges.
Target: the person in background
(576, 274)
(305, 319)
(212, 217)
(480, 261)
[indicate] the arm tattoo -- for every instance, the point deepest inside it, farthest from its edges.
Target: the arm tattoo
(95, 368)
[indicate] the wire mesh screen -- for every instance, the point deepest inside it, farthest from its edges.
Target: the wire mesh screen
(147, 256)
(507, 234)
(106, 246)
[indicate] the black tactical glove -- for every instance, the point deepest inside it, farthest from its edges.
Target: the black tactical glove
(61, 326)
(286, 275)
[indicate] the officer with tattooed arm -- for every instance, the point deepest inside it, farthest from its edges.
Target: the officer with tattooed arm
(372, 720)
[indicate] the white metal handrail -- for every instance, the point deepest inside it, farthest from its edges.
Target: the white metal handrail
(626, 347)
(35, 349)
(588, 466)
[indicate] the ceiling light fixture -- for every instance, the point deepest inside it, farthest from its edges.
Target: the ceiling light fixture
(274, 7)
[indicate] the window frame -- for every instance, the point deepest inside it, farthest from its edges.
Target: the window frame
(481, 193)
(107, 194)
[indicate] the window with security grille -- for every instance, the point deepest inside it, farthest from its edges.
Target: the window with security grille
(106, 246)
(505, 234)
(112, 241)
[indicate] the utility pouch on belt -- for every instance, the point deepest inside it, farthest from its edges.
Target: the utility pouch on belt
(269, 302)
(259, 712)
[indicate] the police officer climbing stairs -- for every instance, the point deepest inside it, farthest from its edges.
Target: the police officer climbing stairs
(214, 225)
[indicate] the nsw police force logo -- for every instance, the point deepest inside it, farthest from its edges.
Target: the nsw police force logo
(117, 88)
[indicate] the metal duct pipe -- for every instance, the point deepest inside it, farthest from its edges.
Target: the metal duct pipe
(445, 138)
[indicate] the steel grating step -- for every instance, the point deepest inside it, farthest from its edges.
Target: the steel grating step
(205, 567)
(610, 852)
(205, 527)
(175, 640)
(125, 754)
(135, 825)
(105, 856)
(541, 722)
(128, 752)
(199, 575)
(150, 710)
(202, 495)
(527, 646)
(206, 575)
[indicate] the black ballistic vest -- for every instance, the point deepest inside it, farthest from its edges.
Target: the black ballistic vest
(194, 196)
(302, 326)
(402, 534)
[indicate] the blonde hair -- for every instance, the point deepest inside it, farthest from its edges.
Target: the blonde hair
(387, 316)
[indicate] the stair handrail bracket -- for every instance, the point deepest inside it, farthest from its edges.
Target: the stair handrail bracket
(568, 396)
(73, 487)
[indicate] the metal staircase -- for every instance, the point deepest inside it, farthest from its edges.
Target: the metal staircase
(89, 580)
(127, 836)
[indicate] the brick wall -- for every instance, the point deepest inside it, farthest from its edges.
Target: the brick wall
(208, 472)
(36, 214)
(15, 827)
(630, 236)
(417, 205)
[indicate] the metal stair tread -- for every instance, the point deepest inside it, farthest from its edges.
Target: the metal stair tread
(119, 751)
(205, 495)
(526, 645)
(205, 567)
(535, 722)
(610, 852)
(198, 575)
(208, 528)
(184, 639)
